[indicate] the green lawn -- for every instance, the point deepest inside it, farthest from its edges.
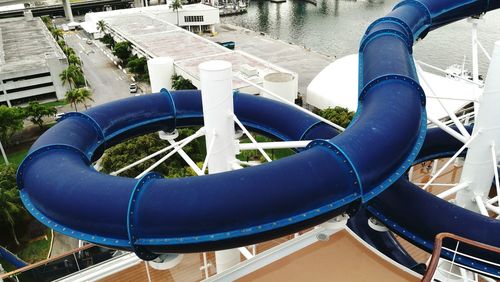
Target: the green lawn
(17, 157)
(36, 250)
(56, 103)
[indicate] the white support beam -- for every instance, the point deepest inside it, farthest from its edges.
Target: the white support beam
(171, 153)
(452, 159)
(247, 133)
(336, 126)
(480, 206)
(447, 129)
(152, 155)
(187, 159)
(245, 252)
(453, 190)
(451, 114)
(495, 169)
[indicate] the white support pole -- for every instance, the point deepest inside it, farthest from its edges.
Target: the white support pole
(171, 153)
(475, 59)
(247, 133)
(477, 168)
(434, 166)
(495, 169)
(447, 129)
(480, 205)
(198, 134)
(451, 114)
(453, 190)
(217, 100)
(67, 10)
(187, 159)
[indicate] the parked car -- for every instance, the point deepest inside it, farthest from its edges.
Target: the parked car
(133, 88)
(58, 116)
(89, 41)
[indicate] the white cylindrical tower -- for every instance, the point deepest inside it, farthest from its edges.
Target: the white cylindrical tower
(160, 71)
(478, 167)
(281, 83)
(217, 100)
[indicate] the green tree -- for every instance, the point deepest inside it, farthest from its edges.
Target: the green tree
(57, 33)
(175, 5)
(83, 96)
(73, 76)
(46, 20)
(68, 51)
(101, 26)
(11, 121)
(180, 83)
(74, 60)
(61, 43)
(108, 40)
(10, 203)
(122, 51)
(126, 153)
(35, 112)
(71, 97)
(138, 66)
(338, 115)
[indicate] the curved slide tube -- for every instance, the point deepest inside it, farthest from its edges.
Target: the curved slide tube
(12, 258)
(418, 216)
(154, 215)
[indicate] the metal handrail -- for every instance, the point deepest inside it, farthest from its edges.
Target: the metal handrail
(44, 262)
(438, 245)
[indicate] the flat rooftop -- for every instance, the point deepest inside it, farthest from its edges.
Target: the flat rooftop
(25, 45)
(148, 29)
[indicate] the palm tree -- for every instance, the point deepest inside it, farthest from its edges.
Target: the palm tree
(9, 208)
(72, 97)
(68, 51)
(10, 204)
(101, 26)
(84, 95)
(74, 60)
(175, 6)
(67, 76)
(57, 33)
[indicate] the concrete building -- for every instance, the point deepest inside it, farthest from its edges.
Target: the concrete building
(153, 33)
(195, 17)
(30, 62)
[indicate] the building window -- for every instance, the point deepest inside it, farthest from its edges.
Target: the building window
(193, 19)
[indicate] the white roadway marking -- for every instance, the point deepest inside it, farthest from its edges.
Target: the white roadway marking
(78, 36)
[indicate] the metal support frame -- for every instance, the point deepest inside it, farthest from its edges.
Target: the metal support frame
(180, 145)
(336, 126)
(247, 133)
(200, 131)
(450, 161)
(451, 114)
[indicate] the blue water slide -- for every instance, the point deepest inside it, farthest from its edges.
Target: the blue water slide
(12, 258)
(418, 216)
(153, 215)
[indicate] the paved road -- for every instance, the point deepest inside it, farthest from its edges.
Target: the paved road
(107, 82)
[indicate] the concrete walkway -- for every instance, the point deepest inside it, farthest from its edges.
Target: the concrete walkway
(295, 58)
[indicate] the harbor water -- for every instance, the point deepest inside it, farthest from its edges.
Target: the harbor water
(335, 27)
